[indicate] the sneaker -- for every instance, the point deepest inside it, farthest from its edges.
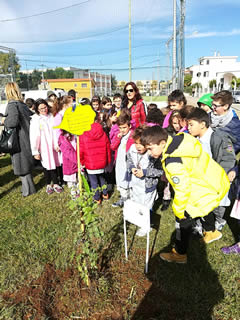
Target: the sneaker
(174, 257)
(105, 197)
(57, 188)
(165, 205)
(141, 232)
(211, 236)
(232, 249)
(219, 225)
(119, 204)
(74, 194)
(49, 189)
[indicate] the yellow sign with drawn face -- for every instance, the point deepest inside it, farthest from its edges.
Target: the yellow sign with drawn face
(77, 121)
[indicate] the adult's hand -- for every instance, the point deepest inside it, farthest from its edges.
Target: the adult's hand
(37, 157)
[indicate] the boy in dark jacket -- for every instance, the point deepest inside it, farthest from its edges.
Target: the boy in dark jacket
(223, 117)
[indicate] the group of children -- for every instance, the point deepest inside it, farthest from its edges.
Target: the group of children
(177, 147)
(200, 185)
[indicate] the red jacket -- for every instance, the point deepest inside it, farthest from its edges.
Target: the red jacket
(116, 142)
(138, 113)
(95, 148)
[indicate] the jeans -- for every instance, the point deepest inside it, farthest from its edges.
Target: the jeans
(97, 180)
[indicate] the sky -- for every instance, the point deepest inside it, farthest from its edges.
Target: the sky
(93, 34)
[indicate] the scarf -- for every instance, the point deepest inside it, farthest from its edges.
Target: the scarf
(221, 121)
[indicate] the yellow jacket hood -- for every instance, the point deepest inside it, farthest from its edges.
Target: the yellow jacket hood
(190, 148)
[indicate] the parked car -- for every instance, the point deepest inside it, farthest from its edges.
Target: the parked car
(236, 96)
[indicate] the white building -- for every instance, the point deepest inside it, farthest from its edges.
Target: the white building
(220, 68)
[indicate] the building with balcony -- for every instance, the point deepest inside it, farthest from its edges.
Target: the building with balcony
(223, 69)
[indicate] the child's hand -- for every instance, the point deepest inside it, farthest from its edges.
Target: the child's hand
(231, 175)
(134, 171)
(119, 135)
(57, 149)
(139, 173)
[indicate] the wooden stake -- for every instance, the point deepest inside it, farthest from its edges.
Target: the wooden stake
(79, 166)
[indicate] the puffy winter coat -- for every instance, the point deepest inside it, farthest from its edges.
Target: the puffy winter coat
(69, 155)
(95, 148)
(233, 128)
(113, 132)
(198, 181)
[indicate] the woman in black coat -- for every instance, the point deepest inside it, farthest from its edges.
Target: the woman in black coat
(18, 116)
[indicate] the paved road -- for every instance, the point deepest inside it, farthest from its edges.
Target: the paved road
(236, 107)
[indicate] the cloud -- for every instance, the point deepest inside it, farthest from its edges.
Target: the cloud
(197, 34)
(85, 20)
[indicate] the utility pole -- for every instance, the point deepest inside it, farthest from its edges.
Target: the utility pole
(174, 48)
(27, 76)
(182, 47)
(130, 42)
(181, 51)
(168, 65)
(43, 82)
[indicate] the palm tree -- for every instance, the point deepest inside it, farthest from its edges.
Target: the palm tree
(212, 83)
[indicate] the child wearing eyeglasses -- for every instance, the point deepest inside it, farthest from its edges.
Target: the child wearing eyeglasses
(223, 116)
(117, 101)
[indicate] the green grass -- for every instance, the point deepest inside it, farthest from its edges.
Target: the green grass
(154, 98)
(38, 231)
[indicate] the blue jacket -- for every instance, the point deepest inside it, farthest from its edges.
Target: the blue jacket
(233, 128)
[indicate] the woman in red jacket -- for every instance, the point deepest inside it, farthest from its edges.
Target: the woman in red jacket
(95, 155)
(133, 101)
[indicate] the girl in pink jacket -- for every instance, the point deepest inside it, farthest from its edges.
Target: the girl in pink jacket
(67, 145)
(60, 105)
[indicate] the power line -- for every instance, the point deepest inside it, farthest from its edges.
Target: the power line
(69, 39)
(87, 66)
(89, 54)
(46, 12)
(73, 38)
(126, 69)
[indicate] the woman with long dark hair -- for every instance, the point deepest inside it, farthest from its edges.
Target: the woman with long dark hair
(133, 101)
(18, 116)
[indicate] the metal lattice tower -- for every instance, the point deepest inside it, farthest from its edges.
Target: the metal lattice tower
(178, 48)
